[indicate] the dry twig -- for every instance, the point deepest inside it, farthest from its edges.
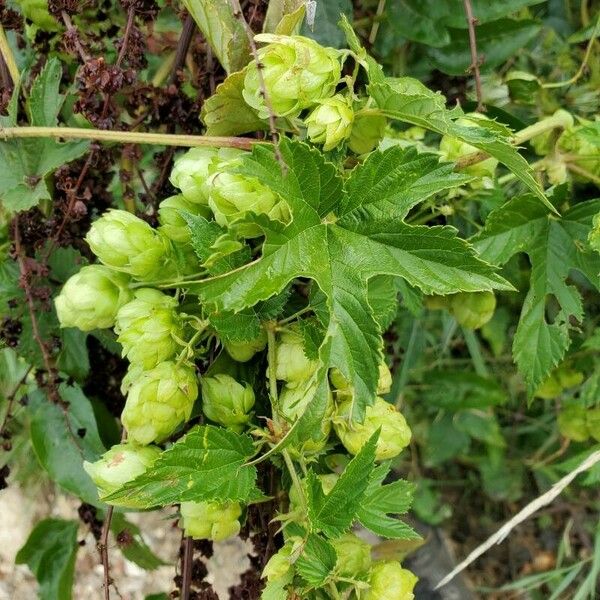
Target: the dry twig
(188, 555)
(472, 21)
(521, 516)
(103, 549)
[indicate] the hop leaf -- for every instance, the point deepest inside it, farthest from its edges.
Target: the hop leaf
(555, 247)
(341, 236)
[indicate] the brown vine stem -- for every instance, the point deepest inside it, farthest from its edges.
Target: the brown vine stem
(189, 26)
(11, 398)
(128, 137)
(25, 274)
(471, 22)
(69, 25)
(239, 15)
(188, 555)
(103, 549)
(70, 206)
(122, 52)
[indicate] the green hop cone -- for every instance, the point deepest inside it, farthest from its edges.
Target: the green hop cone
(158, 402)
(172, 223)
(367, 131)
(394, 436)
(293, 402)
(297, 73)
(125, 243)
(562, 378)
(473, 310)
(244, 351)
(119, 465)
(452, 148)
(149, 328)
(354, 555)
(327, 480)
(345, 390)
(572, 423)
(227, 402)
(330, 123)
(581, 143)
(592, 418)
(210, 520)
(292, 365)
(389, 581)
(91, 298)
(594, 235)
(279, 564)
(191, 171)
(233, 195)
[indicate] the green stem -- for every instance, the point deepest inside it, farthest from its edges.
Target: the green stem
(559, 120)
(475, 352)
(297, 314)
(189, 347)
(8, 57)
(581, 69)
(289, 463)
(335, 594)
(272, 371)
(129, 137)
(584, 173)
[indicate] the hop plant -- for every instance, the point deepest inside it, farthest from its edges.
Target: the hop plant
(125, 243)
(389, 581)
(172, 223)
(293, 402)
(394, 436)
(191, 171)
(578, 142)
(594, 235)
(330, 123)
(158, 402)
(227, 402)
(210, 520)
(344, 388)
(367, 131)
(452, 149)
(327, 481)
(292, 364)
(91, 298)
(562, 378)
(593, 422)
(572, 423)
(119, 465)
(149, 328)
(244, 351)
(297, 73)
(233, 195)
(279, 564)
(354, 555)
(473, 310)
